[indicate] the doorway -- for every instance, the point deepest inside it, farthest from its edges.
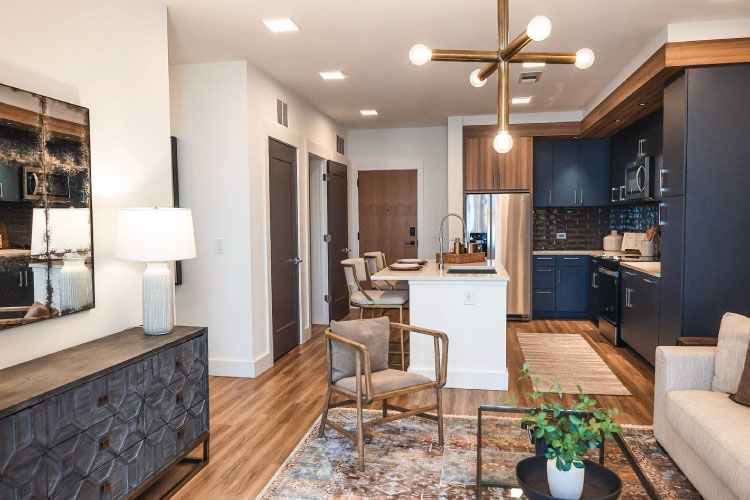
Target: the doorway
(338, 239)
(282, 175)
(388, 213)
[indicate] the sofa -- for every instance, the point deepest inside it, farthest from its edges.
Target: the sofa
(703, 430)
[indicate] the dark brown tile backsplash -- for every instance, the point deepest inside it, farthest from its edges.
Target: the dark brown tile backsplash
(17, 219)
(586, 226)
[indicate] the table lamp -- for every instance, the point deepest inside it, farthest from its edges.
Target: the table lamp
(65, 233)
(156, 236)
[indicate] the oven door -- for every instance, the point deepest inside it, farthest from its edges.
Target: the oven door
(609, 303)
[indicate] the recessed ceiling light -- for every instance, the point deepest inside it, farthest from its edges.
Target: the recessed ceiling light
(617, 120)
(642, 103)
(332, 75)
(280, 25)
(520, 100)
(534, 64)
(369, 112)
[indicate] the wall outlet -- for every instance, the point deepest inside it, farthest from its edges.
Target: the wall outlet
(219, 246)
(468, 296)
(562, 236)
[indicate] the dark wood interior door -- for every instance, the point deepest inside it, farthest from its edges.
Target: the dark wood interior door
(338, 246)
(388, 213)
(284, 259)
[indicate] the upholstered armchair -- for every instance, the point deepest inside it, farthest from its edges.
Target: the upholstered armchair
(358, 371)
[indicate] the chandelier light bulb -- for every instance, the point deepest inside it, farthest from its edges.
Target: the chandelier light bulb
(539, 28)
(503, 142)
(420, 54)
(474, 79)
(584, 58)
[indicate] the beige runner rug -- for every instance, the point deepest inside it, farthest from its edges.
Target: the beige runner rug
(571, 360)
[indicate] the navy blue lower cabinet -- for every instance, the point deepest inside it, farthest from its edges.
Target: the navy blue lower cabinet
(561, 286)
(639, 317)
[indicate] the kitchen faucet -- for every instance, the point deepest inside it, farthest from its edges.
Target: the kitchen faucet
(441, 263)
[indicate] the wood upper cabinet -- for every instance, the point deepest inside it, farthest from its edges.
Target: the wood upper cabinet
(486, 170)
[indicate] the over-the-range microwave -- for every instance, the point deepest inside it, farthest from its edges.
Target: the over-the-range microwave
(639, 179)
(36, 183)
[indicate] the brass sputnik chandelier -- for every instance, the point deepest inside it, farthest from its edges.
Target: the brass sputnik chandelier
(538, 29)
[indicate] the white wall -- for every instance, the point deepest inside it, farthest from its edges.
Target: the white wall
(425, 147)
(209, 117)
(245, 347)
(110, 57)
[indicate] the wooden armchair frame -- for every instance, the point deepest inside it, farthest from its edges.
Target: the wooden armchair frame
(364, 391)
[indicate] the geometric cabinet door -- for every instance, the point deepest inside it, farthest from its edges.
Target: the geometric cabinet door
(22, 445)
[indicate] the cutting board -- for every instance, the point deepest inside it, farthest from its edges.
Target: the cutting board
(4, 235)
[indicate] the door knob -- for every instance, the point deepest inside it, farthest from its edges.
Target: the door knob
(346, 250)
(296, 261)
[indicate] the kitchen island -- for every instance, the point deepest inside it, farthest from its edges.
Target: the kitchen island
(471, 309)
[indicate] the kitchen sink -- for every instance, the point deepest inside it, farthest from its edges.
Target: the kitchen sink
(472, 270)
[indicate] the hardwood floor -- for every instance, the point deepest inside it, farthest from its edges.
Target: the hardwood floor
(256, 423)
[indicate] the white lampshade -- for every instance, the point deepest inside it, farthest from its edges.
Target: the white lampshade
(60, 231)
(155, 234)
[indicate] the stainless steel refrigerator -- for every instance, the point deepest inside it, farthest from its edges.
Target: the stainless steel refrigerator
(504, 221)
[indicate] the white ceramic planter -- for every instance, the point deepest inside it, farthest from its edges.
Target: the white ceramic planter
(567, 485)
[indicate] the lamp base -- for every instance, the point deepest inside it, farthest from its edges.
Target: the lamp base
(76, 291)
(158, 300)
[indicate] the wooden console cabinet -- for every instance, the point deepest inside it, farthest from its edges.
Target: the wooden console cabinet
(106, 419)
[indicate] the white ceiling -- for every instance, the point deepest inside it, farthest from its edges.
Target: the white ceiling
(369, 41)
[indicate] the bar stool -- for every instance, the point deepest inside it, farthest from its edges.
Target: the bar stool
(376, 262)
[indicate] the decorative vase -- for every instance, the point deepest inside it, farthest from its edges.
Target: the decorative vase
(613, 241)
(567, 485)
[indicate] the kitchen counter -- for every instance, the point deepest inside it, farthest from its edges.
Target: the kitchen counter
(472, 310)
(430, 272)
(590, 253)
(14, 252)
(651, 268)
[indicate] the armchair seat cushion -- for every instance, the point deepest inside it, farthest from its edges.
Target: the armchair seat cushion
(717, 430)
(385, 381)
(374, 334)
(381, 297)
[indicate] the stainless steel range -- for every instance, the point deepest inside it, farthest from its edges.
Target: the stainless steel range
(609, 293)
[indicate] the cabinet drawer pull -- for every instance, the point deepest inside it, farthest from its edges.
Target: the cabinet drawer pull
(648, 281)
(103, 399)
(570, 258)
(629, 273)
(179, 399)
(103, 444)
(178, 364)
(544, 270)
(543, 293)
(550, 197)
(181, 433)
(106, 487)
(544, 258)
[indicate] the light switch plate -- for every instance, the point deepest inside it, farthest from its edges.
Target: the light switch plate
(219, 246)
(562, 236)
(468, 296)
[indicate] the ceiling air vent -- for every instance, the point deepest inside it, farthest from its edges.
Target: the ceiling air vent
(530, 77)
(282, 115)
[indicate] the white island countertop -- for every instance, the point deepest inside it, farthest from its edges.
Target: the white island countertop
(430, 272)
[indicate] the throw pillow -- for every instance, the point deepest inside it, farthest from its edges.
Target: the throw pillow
(743, 391)
(373, 333)
(734, 336)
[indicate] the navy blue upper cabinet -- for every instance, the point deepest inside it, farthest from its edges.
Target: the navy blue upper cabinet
(593, 174)
(544, 164)
(565, 178)
(571, 172)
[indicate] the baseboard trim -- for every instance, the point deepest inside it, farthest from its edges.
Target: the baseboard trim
(466, 379)
(238, 367)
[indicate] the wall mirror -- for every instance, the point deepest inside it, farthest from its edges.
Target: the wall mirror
(46, 243)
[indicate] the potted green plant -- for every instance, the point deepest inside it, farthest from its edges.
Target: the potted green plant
(566, 433)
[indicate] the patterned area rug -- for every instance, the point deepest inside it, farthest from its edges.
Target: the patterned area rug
(404, 461)
(571, 360)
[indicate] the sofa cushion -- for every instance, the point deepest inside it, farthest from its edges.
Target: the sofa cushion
(743, 391)
(734, 336)
(717, 430)
(375, 334)
(385, 381)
